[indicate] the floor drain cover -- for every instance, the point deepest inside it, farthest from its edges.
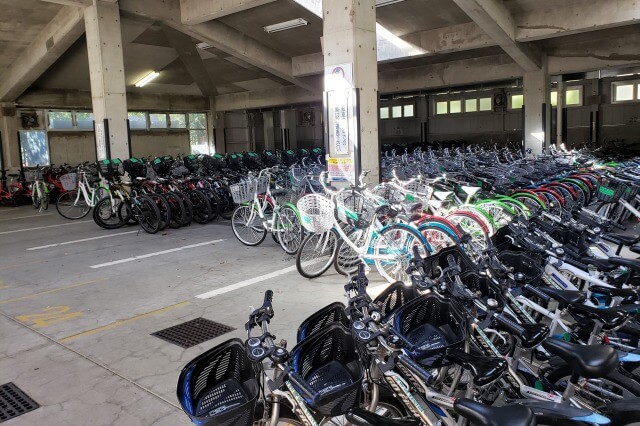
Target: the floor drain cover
(14, 402)
(192, 332)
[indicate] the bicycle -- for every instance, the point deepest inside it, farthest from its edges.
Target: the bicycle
(82, 193)
(39, 190)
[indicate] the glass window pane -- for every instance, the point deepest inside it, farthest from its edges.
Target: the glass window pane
(572, 97)
(178, 121)
(624, 92)
(554, 98)
(517, 101)
(197, 121)
(84, 120)
(470, 105)
(158, 121)
(35, 151)
(442, 107)
(409, 111)
(138, 120)
(396, 111)
(485, 104)
(60, 120)
(199, 142)
(455, 107)
(384, 113)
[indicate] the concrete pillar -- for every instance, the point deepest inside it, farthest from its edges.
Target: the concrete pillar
(560, 117)
(218, 126)
(349, 38)
(288, 121)
(267, 118)
(9, 133)
(106, 67)
(536, 95)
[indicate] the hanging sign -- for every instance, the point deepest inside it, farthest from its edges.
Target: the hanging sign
(101, 142)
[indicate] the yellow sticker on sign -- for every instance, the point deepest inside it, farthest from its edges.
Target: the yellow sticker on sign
(341, 169)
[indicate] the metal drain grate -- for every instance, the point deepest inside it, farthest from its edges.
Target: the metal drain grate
(14, 402)
(192, 332)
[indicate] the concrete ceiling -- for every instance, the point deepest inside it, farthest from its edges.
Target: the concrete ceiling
(411, 16)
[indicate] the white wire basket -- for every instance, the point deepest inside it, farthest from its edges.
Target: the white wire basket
(32, 175)
(351, 204)
(316, 213)
(418, 187)
(69, 181)
(262, 184)
(244, 191)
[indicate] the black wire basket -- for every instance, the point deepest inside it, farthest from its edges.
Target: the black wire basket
(433, 263)
(329, 363)
(219, 387)
(111, 168)
(500, 241)
(269, 158)
(429, 326)
(134, 167)
(521, 262)
(212, 163)
(392, 298)
(331, 314)
(610, 192)
(631, 191)
(162, 165)
(192, 163)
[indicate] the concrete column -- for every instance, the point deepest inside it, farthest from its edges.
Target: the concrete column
(560, 117)
(267, 118)
(218, 126)
(9, 132)
(536, 94)
(349, 37)
(288, 121)
(106, 66)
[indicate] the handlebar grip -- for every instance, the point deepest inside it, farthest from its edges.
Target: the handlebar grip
(617, 225)
(415, 368)
(268, 297)
(532, 290)
(576, 264)
(509, 325)
(303, 387)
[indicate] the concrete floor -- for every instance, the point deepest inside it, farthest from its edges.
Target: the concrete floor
(77, 310)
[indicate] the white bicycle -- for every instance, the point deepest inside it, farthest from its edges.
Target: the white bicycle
(82, 194)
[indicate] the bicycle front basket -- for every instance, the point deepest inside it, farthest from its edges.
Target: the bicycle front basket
(331, 314)
(316, 213)
(69, 181)
(610, 192)
(392, 298)
(219, 387)
(328, 362)
(440, 260)
(524, 264)
(429, 325)
(243, 192)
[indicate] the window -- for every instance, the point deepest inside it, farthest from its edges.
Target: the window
(158, 121)
(396, 111)
(137, 120)
(178, 121)
(554, 98)
(486, 104)
(623, 92)
(384, 113)
(60, 120)
(573, 96)
(442, 108)
(198, 137)
(470, 105)
(517, 101)
(198, 121)
(84, 120)
(34, 148)
(409, 110)
(455, 107)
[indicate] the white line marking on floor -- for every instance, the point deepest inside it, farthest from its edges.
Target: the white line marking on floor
(157, 253)
(44, 227)
(24, 217)
(80, 241)
(245, 283)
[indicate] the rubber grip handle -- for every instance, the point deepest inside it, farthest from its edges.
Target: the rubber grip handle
(415, 368)
(576, 264)
(509, 325)
(617, 225)
(303, 387)
(532, 290)
(268, 297)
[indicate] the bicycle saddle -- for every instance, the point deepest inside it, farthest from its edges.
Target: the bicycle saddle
(635, 249)
(483, 369)
(470, 190)
(360, 416)
(602, 264)
(589, 361)
(627, 240)
(485, 415)
(628, 263)
(611, 318)
(278, 192)
(628, 295)
(533, 335)
(564, 297)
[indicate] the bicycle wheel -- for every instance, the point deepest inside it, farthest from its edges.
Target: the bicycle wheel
(105, 213)
(44, 197)
(178, 211)
(147, 213)
(226, 202)
(347, 260)
(316, 254)
(214, 201)
(188, 209)
(163, 207)
(473, 226)
(396, 243)
(201, 206)
(35, 197)
(291, 231)
(72, 205)
(437, 236)
(604, 390)
(247, 226)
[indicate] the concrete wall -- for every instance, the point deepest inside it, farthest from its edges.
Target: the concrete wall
(159, 142)
(71, 147)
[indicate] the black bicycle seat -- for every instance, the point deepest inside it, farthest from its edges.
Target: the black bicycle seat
(611, 318)
(635, 249)
(278, 192)
(564, 297)
(628, 295)
(602, 264)
(589, 361)
(627, 263)
(627, 240)
(361, 417)
(533, 335)
(483, 369)
(486, 415)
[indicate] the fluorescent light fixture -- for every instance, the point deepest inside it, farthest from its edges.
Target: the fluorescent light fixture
(294, 23)
(381, 3)
(203, 46)
(148, 78)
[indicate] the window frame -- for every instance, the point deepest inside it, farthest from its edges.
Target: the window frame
(635, 94)
(435, 107)
(476, 102)
(388, 113)
(74, 120)
(510, 98)
(580, 89)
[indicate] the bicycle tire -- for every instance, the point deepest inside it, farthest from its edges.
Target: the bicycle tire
(103, 212)
(45, 196)
(177, 209)
(163, 207)
(227, 206)
(402, 248)
(68, 199)
(147, 213)
(240, 223)
(293, 232)
(188, 208)
(346, 260)
(201, 206)
(314, 250)
(214, 201)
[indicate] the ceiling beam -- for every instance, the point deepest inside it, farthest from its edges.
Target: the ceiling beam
(218, 35)
(493, 17)
(199, 11)
(191, 59)
(46, 48)
(576, 18)
(75, 3)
